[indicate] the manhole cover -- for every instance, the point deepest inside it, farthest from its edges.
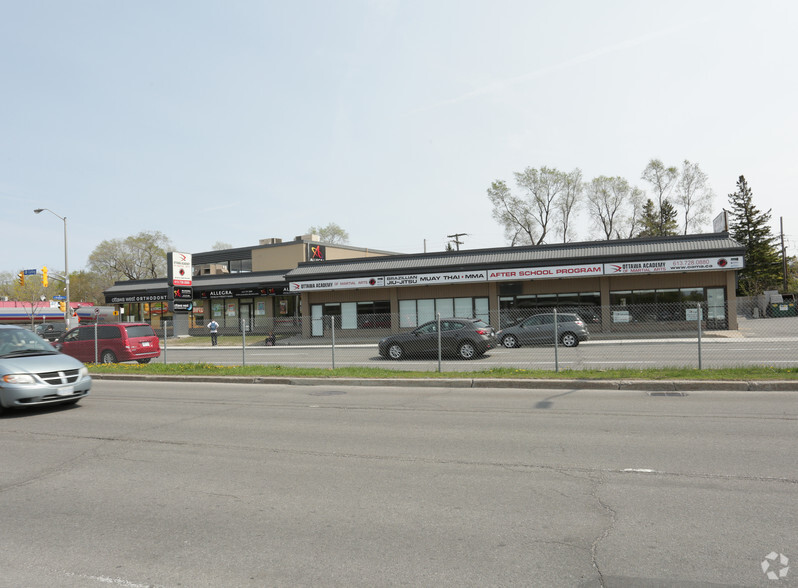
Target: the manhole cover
(667, 394)
(328, 393)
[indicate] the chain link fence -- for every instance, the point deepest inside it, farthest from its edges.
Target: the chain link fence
(683, 335)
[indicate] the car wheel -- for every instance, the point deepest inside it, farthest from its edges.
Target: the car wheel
(108, 357)
(145, 360)
(509, 341)
(569, 340)
(395, 351)
(467, 350)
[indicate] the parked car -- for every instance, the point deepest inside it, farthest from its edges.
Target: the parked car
(539, 328)
(462, 337)
(32, 373)
(115, 342)
(50, 331)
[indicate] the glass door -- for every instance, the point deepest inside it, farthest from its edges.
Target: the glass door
(716, 308)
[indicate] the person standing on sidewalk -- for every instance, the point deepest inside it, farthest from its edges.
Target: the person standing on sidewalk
(214, 327)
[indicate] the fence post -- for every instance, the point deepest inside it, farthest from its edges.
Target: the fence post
(556, 344)
(332, 329)
(700, 316)
(243, 343)
(438, 317)
(165, 324)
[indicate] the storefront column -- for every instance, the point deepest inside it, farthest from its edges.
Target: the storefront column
(493, 304)
(304, 302)
(393, 296)
(731, 300)
(606, 312)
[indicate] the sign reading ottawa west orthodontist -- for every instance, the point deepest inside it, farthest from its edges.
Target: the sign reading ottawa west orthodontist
(527, 273)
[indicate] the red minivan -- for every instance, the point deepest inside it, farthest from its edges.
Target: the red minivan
(115, 342)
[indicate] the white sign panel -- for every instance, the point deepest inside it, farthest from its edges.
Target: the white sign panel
(342, 284)
(554, 271)
(444, 278)
(181, 269)
(673, 265)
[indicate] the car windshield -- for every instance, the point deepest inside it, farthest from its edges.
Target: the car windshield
(22, 342)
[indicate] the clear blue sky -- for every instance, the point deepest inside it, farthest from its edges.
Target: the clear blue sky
(235, 121)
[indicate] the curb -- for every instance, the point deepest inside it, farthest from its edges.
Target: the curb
(623, 385)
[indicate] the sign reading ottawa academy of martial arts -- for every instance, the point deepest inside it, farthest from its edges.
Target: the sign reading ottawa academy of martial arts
(178, 268)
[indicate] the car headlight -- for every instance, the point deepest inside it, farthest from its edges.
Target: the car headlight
(19, 379)
(84, 371)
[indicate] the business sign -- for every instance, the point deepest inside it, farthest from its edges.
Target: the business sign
(179, 306)
(720, 223)
(135, 298)
(342, 284)
(553, 271)
(178, 267)
(673, 265)
(178, 293)
(316, 252)
(433, 279)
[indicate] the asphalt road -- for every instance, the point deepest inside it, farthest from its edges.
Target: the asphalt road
(714, 353)
(164, 484)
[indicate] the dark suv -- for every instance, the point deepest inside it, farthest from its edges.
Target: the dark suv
(50, 331)
(540, 329)
(462, 337)
(114, 342)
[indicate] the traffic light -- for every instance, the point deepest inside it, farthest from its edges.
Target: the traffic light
(21, 278)
(62, 305)
(44, 276)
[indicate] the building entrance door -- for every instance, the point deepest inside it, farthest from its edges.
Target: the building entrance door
(245, 310)
(716, 309)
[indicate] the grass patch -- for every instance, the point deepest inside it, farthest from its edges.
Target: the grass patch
(675, 373)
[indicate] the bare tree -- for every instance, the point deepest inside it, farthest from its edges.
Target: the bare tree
(694, 195)
(606, 202)
(549, 198)
(568, 203)
(662, 180)
(512, 213)
(629, 226)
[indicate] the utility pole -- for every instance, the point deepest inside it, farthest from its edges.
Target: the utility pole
(456, 238)
(783, 254)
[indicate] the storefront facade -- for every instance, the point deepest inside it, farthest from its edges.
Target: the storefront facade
(657, 280)
(631, 282)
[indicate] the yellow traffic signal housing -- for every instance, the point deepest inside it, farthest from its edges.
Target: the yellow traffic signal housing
(44, 276)
(21, 278)
(62, 305)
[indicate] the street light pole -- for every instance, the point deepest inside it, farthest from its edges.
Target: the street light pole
(68, 311)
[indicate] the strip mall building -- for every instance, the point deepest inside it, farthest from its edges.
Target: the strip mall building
(639, 281)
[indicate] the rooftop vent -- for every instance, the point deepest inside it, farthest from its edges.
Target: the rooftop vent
(270, 241)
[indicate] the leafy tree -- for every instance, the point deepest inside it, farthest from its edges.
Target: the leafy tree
(138, 257)
(658, 222)
(694, 195)
(751, 228)
(85, 286)
(332, 233)
(549, 197)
